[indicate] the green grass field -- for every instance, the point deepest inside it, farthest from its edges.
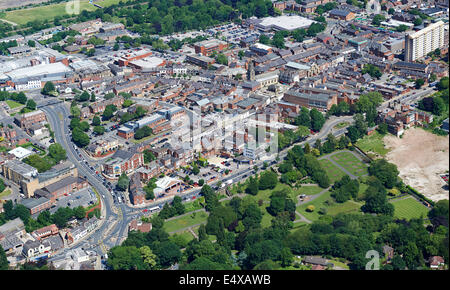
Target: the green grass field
(333, 208)
(408, 208)
(373, 143)
(13, 104)
(333, 172)
(48, 12)
(266, 218)
(350, 163)
(186, 235)
(5, 193)
(349, 206)
(185, 221)
(318, 203)
(194, 205)
(310, 190)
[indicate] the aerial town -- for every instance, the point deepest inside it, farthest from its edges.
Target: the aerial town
(224, 135)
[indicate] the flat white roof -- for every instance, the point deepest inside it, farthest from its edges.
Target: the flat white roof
(426, 29)
(286, 22)
(262, 46)
(148, 62)
(20, 152)
(39, 70)
(297, 65)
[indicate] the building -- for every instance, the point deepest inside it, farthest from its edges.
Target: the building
(29, 119)
(420, 43)
(123, 162)
(36, 205)
(16, 171)
(285, 22)
(200, 60)
(88, 27)
(436, 262)
(167, 186)
(36, 250)
(103, 146)
(137, 194)
(62, 188)
(133, 56)
(20, 152)
(45, 232)
(321, 102)
(342, 14)
(28, 178)
(207, 47)
(138, 225)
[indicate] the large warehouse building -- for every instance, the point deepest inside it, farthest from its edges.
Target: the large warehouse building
(284, 22)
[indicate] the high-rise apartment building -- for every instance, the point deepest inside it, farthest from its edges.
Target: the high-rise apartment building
(420, 43)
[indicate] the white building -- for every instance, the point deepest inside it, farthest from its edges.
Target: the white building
(424, 41)
(20, 152)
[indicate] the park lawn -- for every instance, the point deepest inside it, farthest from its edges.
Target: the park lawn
(185, 221)
(265, 194)
(193, 205)
(13, 104)
(309, 190)
(349, 206)
(339, 264)
(362, 188)
(373, 143)
(266, 220)
(409, 208)
(5, 193)
(298, 225)
(187, 235)
(49, 12)
(341, 125)
(333, 172)
(350, 163)
(318, 203)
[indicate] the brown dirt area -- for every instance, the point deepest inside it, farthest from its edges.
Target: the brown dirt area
(420, 157)
(14, 3)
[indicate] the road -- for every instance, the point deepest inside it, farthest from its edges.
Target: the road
(116, 217)
(411, 97)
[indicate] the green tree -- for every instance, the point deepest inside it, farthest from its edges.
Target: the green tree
(31, 104)
(57, 152)
(99, 130)
(419, 83)
(143, 132)
(96, 121)
(125, 258)
(268, 180)
(48, 88)
(4, 265)
(386, 172)
(123, 182)
(253, 186)
(148, 257)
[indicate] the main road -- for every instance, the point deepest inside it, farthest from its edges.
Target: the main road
(116, 217)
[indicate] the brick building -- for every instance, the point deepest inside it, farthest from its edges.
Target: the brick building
(123, 162)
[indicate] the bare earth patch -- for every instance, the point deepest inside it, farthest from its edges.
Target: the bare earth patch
(420, 157)
(14, 3)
